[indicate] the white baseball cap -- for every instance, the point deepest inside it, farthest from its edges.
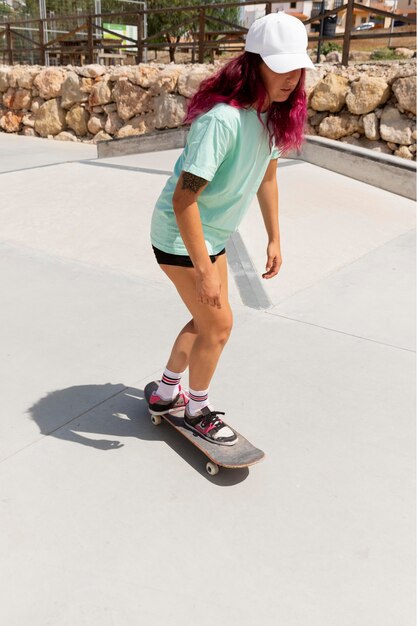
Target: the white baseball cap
(281, 40)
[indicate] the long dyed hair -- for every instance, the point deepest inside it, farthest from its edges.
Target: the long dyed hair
(239, 84)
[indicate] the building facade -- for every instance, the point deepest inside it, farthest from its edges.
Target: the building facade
(305, 9)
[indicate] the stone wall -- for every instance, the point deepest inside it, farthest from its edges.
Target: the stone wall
(373, 106)
(370, 105)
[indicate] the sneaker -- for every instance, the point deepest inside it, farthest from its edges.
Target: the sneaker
(208, 425)
(158, 406)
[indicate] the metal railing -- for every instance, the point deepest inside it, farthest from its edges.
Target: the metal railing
(82, 37)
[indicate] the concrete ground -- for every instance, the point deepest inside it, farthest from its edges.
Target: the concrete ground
(108, 521)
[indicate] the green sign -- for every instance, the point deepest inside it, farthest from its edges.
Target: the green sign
(122, 29)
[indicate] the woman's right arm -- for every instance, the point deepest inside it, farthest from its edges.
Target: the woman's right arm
(187, 214)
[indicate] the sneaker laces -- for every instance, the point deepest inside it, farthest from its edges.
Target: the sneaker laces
(211, 418)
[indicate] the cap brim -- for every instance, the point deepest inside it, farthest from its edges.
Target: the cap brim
(282, 63)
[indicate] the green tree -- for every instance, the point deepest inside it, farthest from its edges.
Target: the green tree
(164, 27)
(172, 26)
(5, 10)
(72, 7)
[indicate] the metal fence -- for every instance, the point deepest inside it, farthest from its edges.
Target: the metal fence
(97, 38)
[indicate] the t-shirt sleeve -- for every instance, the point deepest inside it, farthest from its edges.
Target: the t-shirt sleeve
(208, 143)
(275, 152)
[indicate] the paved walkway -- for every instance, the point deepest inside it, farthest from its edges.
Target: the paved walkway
(108, 521)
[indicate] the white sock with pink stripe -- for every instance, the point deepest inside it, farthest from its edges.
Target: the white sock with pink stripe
(169, 386)
(197, 400)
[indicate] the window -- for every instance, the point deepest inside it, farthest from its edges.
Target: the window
(316, 9)
(293, 5)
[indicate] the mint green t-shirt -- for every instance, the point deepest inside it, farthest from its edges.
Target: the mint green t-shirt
(230, 148)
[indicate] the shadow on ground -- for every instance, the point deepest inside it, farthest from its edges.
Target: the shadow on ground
(97, 415)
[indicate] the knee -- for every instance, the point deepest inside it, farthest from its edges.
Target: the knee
(219, 330)
(222, 335)
(226, 329)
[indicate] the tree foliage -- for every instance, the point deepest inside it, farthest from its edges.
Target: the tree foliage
(168, 27)
(72, 7)
(5, 10)
(172, 26)
(173, 21)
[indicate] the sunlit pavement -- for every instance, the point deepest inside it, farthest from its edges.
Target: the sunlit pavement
(108, 521)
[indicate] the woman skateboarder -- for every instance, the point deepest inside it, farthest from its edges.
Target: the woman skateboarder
(238, 117)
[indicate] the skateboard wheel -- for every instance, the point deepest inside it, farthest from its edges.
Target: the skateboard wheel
(156, 420)
(212, 468)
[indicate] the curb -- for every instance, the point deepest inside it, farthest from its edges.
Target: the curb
(381, 170)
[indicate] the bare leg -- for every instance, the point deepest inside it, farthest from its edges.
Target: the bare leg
(180, 354)
(213, 326)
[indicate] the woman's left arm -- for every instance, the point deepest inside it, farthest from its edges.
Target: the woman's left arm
(268, 202)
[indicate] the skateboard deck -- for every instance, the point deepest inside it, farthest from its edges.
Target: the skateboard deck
(241, 454)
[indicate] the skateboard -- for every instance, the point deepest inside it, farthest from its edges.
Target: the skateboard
(241, 454)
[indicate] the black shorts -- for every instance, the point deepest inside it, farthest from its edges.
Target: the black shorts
(183, 260)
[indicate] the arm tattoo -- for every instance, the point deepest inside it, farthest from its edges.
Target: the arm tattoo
(192, 182)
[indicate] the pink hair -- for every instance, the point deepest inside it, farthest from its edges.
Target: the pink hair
(239, 84)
